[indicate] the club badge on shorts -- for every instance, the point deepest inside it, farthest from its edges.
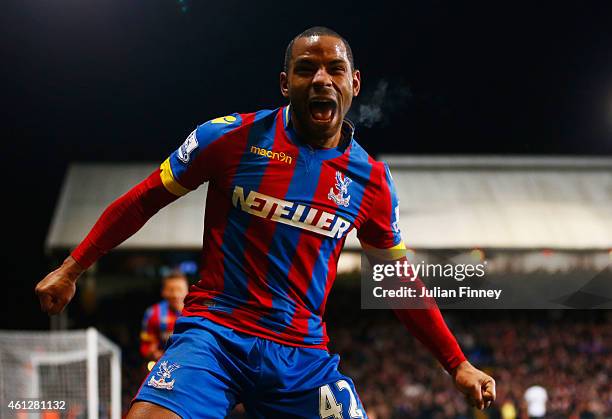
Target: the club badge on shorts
(164, 372)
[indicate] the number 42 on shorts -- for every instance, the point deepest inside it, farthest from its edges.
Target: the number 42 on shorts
(329, 407)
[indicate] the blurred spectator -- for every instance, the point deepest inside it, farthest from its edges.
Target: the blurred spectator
(508, 410)
(536, 398)
(159, 319)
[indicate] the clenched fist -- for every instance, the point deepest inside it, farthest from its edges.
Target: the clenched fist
(57, 289)
(478, 387)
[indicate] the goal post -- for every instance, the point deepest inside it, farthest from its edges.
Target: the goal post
(80, 368)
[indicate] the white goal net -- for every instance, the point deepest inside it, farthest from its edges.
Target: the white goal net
(79, 369)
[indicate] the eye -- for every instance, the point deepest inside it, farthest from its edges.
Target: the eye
(304, 69)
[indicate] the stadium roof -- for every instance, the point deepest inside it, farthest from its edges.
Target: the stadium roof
(89, 188)
(445, 202)
(504, 202)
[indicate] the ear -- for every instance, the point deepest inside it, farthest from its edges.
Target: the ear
(356, 82)
(284, 84)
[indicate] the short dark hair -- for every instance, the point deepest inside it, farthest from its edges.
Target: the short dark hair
(318, 31)
(174, 275)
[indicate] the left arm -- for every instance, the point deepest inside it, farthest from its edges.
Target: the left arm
(429, 327)
(381, 231)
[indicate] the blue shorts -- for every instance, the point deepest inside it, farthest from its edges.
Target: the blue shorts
(208, 368)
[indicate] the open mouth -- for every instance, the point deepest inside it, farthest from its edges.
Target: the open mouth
(322, 110)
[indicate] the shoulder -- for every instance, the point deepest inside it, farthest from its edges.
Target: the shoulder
(149, 313)
(362, 161)
(359, 155)
(220, 126)
(155, 307)
(213, 132)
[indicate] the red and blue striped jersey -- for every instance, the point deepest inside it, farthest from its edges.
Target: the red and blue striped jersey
(277, 214)
(157, 326)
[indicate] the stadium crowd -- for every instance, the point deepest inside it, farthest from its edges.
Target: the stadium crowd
(568, 353)
(397, 378)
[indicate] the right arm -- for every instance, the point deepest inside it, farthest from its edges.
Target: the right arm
(123, 218)
(188, 167)
(118, 222)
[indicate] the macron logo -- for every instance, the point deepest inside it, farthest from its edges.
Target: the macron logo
(285, 158)
(286, 212)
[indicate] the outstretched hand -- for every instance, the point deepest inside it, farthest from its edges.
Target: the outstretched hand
(478, 387)
(57, 289)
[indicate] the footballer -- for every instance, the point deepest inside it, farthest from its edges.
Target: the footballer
(159, 319)
(285, 188)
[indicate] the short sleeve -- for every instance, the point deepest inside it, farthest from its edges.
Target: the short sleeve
(194, 162)
(381, 228)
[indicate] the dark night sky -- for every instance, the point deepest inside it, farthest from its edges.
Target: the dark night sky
(109, 80)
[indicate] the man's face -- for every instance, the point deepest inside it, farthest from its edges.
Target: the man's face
(174, 291)
(320, 84)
